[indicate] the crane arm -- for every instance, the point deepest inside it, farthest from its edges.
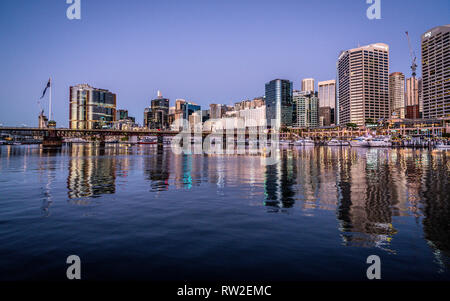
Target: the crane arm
(411, 51)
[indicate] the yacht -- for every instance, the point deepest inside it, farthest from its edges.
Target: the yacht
(298, 142)
(360, 142)
(304, 142)
(334, 142)
(308, 142)
(380, 142)
(148, 140)
(442, 146)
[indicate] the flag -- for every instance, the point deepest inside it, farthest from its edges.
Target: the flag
(46, 87)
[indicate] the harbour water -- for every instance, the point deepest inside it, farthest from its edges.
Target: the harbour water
(143, 213)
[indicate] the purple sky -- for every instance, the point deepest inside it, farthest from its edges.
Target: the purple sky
(216, 51)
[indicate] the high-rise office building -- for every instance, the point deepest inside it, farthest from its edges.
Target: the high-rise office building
(327, 102)
(215, 111)
(397, 94)
(184, 109)
(412, 98)
(420, 85)
(179, 109)
(91, 108)
(436, 72)
(306, 109)
(279, 103)
(308, 84)
(159, 117)
(363, 84)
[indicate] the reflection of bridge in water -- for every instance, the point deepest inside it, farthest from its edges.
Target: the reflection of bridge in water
(54, 136)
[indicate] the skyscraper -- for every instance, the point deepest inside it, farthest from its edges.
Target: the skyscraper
(308, 84)
(306, 109)
(279, 103)
(327, 102)
(420, 85)
(435, 72)
(91, 108)
(397, 94)
(363, 84)
(159, 116)
(412, 98)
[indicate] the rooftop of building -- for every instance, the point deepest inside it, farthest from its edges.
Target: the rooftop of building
(429, 33)
(374, 46)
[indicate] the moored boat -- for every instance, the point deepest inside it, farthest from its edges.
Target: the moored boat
(380, 142)
(443, 146)
(308, 142)
(360, 142)
(148, 140)
(336, 142)
(298, 142)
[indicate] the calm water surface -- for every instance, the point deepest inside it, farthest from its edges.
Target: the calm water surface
(145, 213)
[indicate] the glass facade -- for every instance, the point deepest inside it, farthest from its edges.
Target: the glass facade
(279, 103)
(159, 117)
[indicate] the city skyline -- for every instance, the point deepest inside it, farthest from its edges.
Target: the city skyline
(31, 66)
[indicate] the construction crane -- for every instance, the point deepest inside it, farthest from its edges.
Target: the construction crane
(413, 56)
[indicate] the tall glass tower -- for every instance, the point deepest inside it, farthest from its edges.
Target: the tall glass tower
(279, 103)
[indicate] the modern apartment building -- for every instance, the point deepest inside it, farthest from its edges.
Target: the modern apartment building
(306, 109)
(363, 84)
(91, 108)
(397, 94)
(436, 72)
(279, 103)
(327, 102)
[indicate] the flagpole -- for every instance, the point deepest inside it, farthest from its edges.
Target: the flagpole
(50, 101)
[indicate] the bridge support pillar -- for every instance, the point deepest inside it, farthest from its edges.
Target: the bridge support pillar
(160, 139)
(52, 139)
(101, 141)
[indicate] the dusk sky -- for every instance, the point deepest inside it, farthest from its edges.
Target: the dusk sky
(216, 51)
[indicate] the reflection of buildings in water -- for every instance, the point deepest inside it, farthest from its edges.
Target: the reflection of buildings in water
(399, 183)
(327, 191)
(183, 169)
(307, 175)
(436, 207)
(280, 179)
(157, 168)
(91, 174)
(415, 163)
(367, 196)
